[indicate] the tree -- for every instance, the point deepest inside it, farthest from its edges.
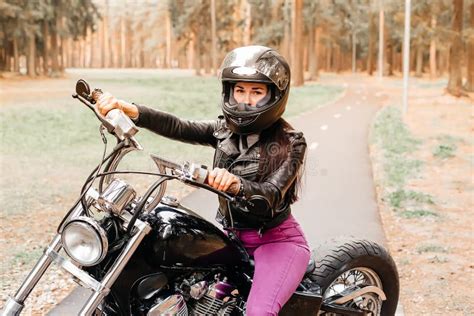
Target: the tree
(297, 44)
(470, 54)
(455, 74)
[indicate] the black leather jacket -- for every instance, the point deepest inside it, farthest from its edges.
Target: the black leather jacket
(272, 205)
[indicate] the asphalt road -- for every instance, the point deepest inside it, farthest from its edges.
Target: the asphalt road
(338, 197)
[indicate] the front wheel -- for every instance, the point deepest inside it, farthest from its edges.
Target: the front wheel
(344, 266)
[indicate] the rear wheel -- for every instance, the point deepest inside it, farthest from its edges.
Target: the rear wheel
(344, 266)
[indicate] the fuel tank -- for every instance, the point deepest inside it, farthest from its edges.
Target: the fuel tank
(182, 238)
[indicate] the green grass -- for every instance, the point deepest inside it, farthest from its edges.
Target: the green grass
(398, 145)
(417, 214)
(446, 146)
(396, 141)
(400, 198)
(431, 248)
(51, 142)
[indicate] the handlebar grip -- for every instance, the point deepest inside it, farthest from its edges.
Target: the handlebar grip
(96, 93)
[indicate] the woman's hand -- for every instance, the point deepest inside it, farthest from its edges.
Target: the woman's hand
(223, 180)
(107, 102)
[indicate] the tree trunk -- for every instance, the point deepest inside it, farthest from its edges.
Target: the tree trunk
(297, 44)
(82, 52)
(433, 73)
(455, 73)
(129, 42)
(54, 51)
(214, 37)
(312, 53)
(168, 41)
(285, 44)
(389, 60)
(30, 56)
(354, 52)
(419, 60)
(45, 47)
(191, 53)
(121, 59)
(328, 57)
(470, 57)
(248, 23)
(197, 55)
(372, 36)
(16, 55)
(92, 48)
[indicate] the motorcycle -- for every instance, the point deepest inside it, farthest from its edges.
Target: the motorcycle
(150, 255)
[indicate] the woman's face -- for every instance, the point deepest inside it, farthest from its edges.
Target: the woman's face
(249, 92)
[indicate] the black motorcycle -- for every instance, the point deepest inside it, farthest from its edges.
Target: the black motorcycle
(150, 255)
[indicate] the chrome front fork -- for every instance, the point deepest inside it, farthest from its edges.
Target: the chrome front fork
(14, 305)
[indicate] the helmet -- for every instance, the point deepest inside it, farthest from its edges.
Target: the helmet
(254, 64)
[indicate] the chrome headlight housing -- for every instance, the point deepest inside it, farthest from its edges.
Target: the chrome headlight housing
(85, 241)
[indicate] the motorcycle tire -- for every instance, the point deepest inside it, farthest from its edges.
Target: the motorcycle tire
(337, 258)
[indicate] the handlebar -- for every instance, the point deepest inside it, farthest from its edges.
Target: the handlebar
(122, 127)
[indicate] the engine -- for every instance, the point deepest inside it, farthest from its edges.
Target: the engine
(198, 296)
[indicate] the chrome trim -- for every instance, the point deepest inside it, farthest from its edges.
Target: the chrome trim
(100, 231)
(12, 308)
(360, 292)
(123, 125)
(66, 264)
(33, 277)
(116, 196)
(172, 305)
(94, 300)
(115, 162)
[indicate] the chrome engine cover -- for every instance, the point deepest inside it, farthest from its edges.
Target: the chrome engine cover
(172, 305)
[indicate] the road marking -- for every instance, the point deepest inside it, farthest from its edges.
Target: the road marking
(364, 98)
(324, 127)
(313, 146)
(345, 85)
(337, 115)
(348, 108)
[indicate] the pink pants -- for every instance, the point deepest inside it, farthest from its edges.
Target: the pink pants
(281, 256)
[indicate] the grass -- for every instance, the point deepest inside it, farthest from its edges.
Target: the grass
(398, 145)
(393, 136)
(431, 248)
(417, 214)
(400, 198)
(446, 146)
(51, 142)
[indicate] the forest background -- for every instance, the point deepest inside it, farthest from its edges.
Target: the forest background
(149, 50)
(43, 37)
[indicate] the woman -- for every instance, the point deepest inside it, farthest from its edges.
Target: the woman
(259, 157)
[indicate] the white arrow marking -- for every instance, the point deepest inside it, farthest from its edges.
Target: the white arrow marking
(348, 108)
(324, 127)
(337, 115)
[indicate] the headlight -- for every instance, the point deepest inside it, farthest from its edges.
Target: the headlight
(84, 241)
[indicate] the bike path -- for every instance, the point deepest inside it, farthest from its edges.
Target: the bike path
(338, 197)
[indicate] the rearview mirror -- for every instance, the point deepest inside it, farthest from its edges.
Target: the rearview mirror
(83, 89)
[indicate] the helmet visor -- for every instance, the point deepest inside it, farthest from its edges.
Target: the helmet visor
(247, 61)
